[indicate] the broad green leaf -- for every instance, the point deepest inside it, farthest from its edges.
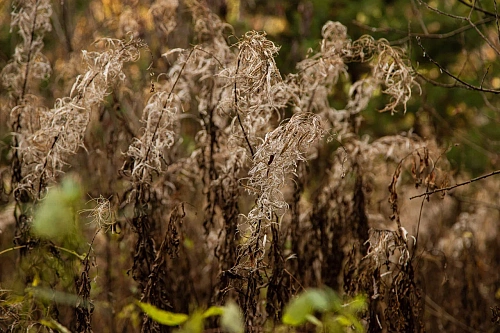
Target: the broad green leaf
(232, 319)
(163, 317)
(298, 310)
(318, 300)
(55, 218)
(335, 302)
(213, 311)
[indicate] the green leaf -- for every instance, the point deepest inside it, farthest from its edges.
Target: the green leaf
(298, 310)
(51, 323)
(357, 304)
(312, 319)
(318, 300)
(343, 320)
(56, 216)
(213, 311)
(195, 324)
(163, 317)
(232, 319)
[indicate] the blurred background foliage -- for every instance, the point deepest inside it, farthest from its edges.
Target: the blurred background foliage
(452, 115)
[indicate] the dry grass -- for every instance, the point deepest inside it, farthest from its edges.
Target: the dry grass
(220, 178)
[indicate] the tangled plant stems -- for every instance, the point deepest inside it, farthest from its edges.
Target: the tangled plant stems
(216, 180)
(59, 132)
(275, 161)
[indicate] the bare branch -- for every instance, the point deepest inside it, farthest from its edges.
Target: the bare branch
(424, 35)
(464, 85)
(463, 18)
(478, 9)
(496, 19)
(427, 193)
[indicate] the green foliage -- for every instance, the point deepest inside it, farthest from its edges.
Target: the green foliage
(231, 318)
(53, 324)
(213, 311)
(57, 216)
(203, 162)
(163, 317)
(336, 316)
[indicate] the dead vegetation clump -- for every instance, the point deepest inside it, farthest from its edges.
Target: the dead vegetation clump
(221, 179)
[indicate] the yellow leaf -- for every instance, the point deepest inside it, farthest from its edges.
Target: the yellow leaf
(163, 317)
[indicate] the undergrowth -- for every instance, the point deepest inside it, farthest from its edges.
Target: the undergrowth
(184, 178)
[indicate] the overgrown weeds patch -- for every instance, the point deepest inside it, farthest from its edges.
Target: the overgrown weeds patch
(188, 186)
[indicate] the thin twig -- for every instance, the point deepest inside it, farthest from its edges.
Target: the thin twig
(423, 200)
(441, 313)
(419, 17)
(463, 18)
(423, 35)
(42, 173)
(79, 256)
(166, 101)
(478, 9)
(460, 135)
(496, 19)
(236, 108)
(13, 249)
(438, 11)
(496, 172)
(28, 61)
(464, 85)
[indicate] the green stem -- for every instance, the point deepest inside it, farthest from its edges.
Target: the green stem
(12, 249)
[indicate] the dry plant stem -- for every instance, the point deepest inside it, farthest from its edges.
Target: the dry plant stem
(278, 294)
(84, 307)
(157, 290)
(28, 61)
(148, 262)
(423, 201)
(237, 111)
(439, 311)
(12, 249)
(60, 131)
(32, 27)
(456, 185)
(275, 160)
(168, 99)
(41, 183)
